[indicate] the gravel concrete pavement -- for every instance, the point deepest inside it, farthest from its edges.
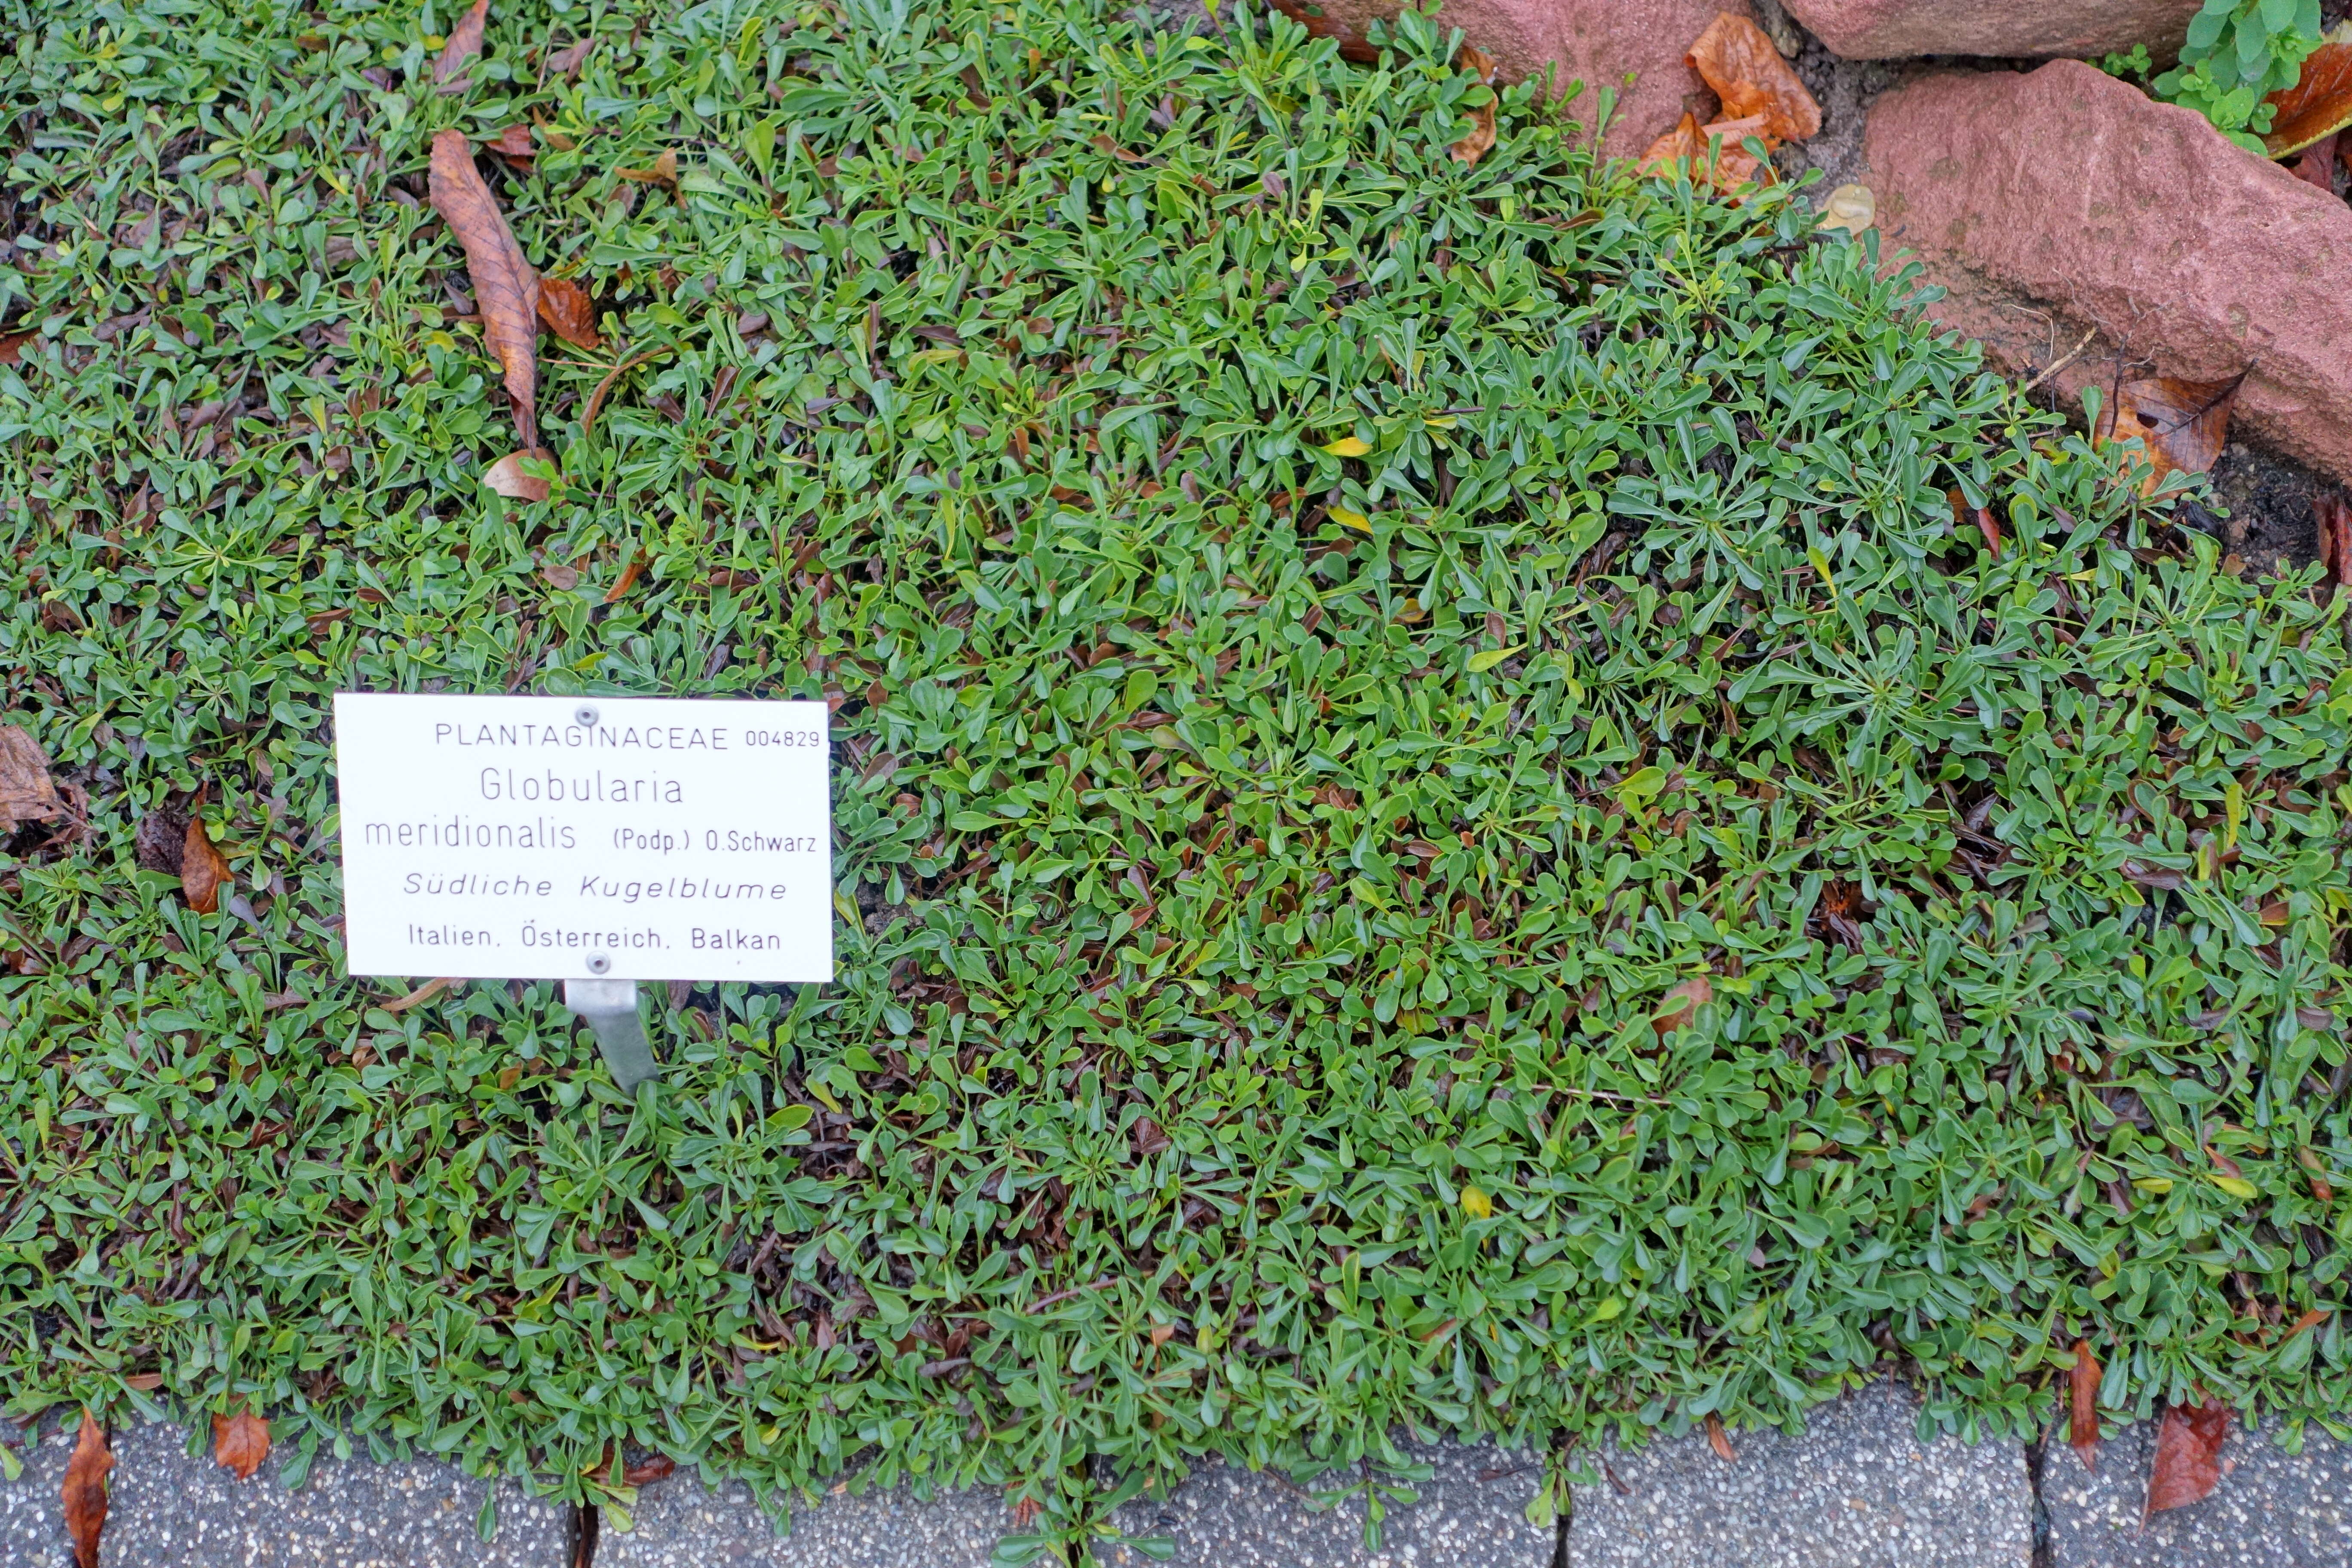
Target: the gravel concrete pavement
(1858, 1490)
(2271, 1508)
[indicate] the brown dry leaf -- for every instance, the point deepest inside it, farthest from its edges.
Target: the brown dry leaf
(1735, 57)
(202, 869)
(2317, 164)
(663, 172)
(514, 144)
(2320, 1188)
(1720, 1440)
(26, 791)
(568, 313)
(2181, 422)
(85, 1490)
(418, 997)
(2188, 1456)
(1677, 1006)
(1481, 140)
(12, 346)
(566, 61)
(2319, 104)
(512, 480)
(240, 1443)
(1104, 145)
(628, 578)
(651, 1469)
(2083, 1414)
(465, 42)
(1734, 165)
(2333, 515)
(504, 285)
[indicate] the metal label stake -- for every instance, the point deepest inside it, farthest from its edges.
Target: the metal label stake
(610, 1008)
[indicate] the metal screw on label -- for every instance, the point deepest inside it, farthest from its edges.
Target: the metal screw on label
(600, 965)
(584, 715)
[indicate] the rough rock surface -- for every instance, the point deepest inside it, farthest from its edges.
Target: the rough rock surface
(2068, 200)
(1598, 44)
(1890, 30)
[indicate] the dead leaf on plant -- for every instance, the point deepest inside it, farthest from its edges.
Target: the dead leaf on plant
(240, 1443)
(2181, 422)
(1748, 74)
(2319, 104)
(465, 42)
(511, 478)
(566, 61)
(1481, 140)
(202, 869)
(85, 1490)
(505, 287)
(418, 997)
(12, 346)
(2082, 1412)
(664, 171)
(28, 794)
(2188, 1456)
(568, 313)
(1720, 1440)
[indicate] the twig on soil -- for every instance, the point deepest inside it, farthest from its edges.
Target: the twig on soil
(2062, 362)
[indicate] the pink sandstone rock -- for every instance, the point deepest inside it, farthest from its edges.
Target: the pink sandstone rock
(1891, 29)
(2077, 196)
(1597, 42)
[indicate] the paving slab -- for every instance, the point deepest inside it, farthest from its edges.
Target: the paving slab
(1471, 1514)
(1857, 1490)
(2271, 1508)
(166, 1508)
(680, 1524)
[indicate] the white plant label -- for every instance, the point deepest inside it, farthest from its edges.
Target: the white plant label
(580, 837)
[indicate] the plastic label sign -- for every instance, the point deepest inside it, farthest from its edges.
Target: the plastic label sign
(579, 838)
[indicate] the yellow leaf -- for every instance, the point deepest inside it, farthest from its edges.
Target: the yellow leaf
(2158, 1184)
(2237, 1187)
(1610, 1307)
(1346, 519)
(1349, 446)
(1475, 1204)
(1480, 663)
(1440, 422)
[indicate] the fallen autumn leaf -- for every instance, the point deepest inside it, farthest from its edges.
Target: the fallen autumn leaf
(85, 1490)
(1748, 73)
(511, 478)
(202, 868)
(1680, 1003)
(28, 794)
(2083, 1412)
(505, 287)
(2188, 1456)
(2319, 104)
(1720, 1440)
(1481, 140)
(240, 1443)
(514, 144)
(2182, 424)
(465, 42)
(568, 313)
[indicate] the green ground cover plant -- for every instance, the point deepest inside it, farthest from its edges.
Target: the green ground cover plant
(1473, 798)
